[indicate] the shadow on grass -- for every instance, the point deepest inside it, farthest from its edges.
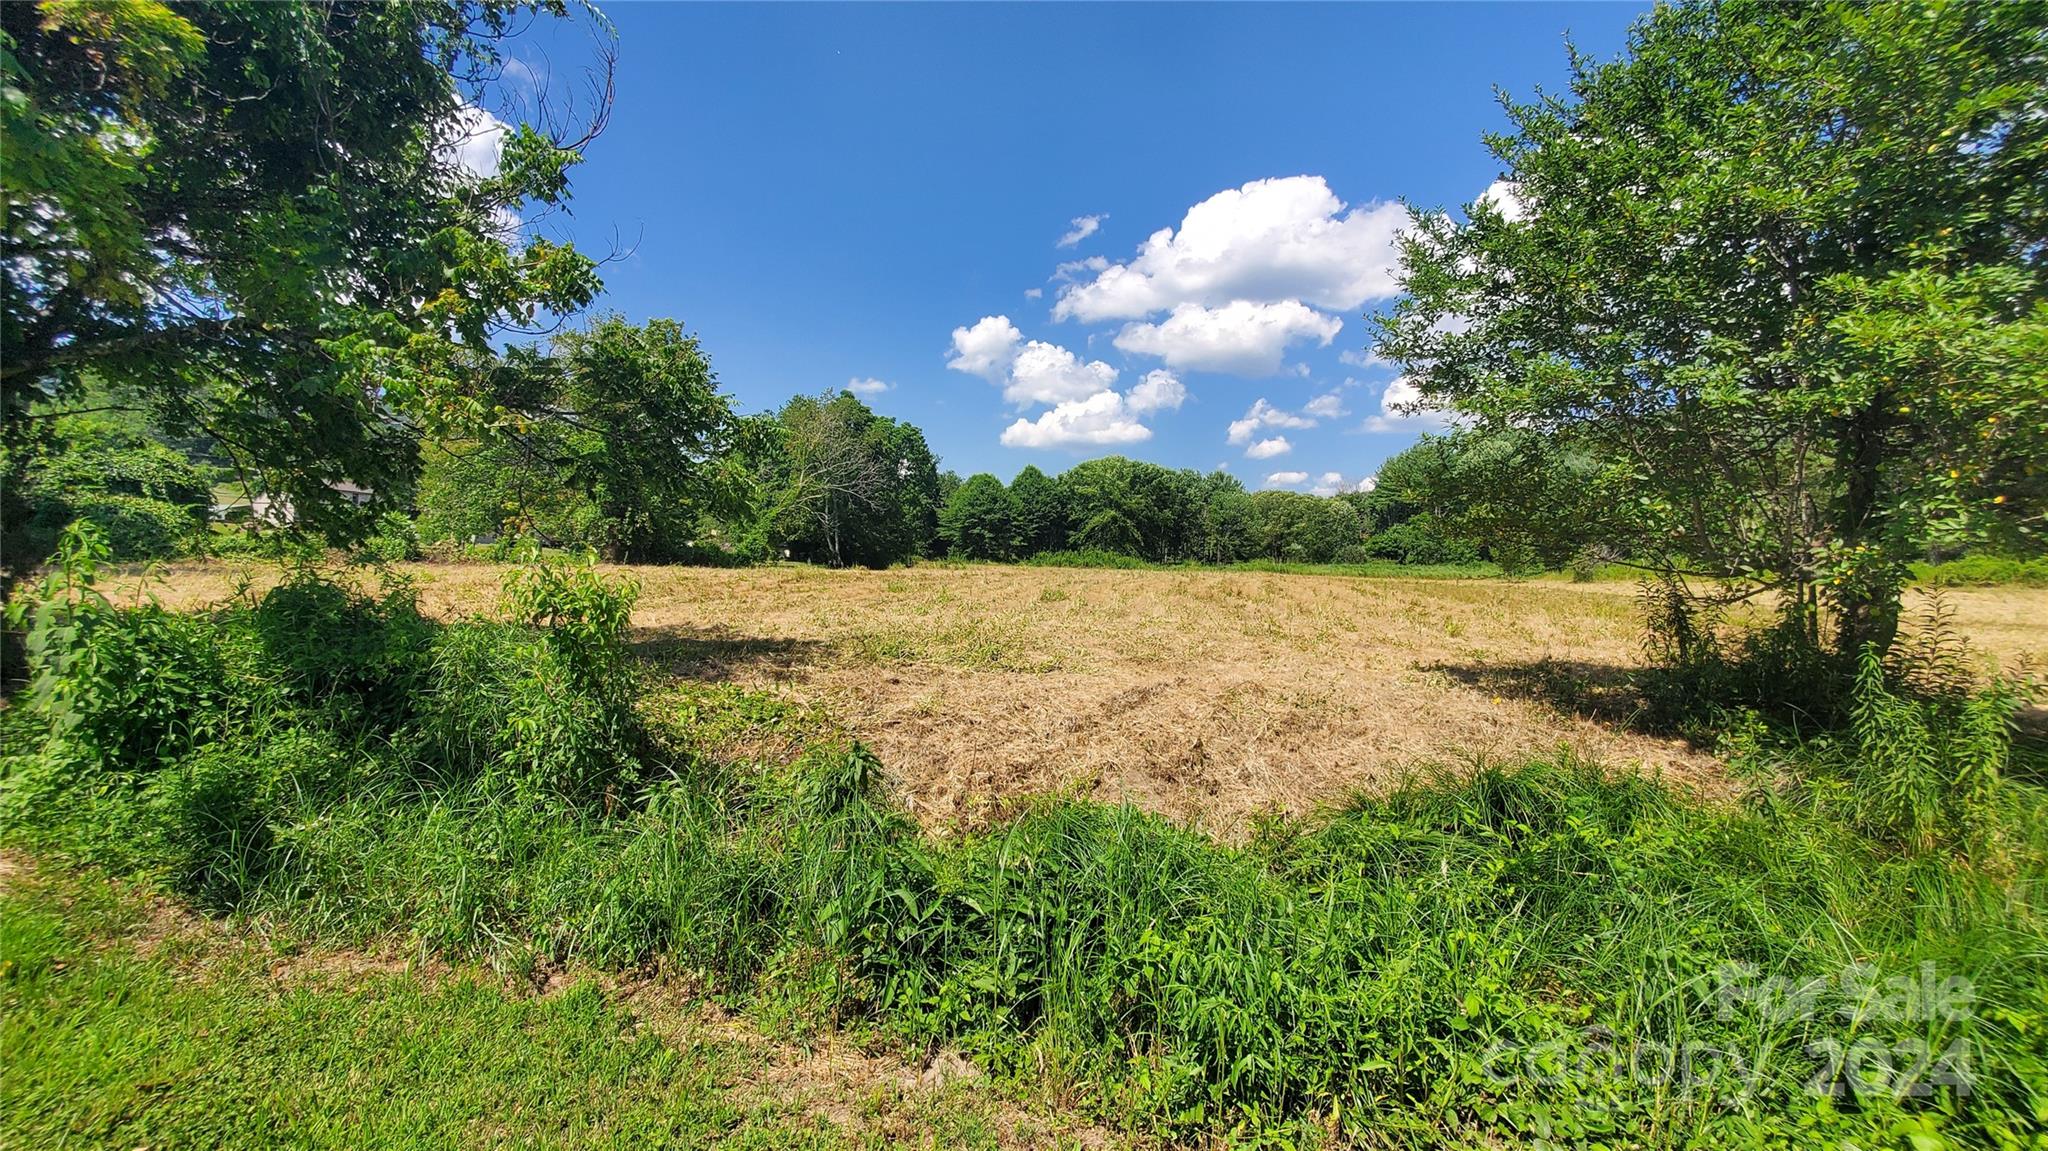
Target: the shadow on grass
(1614, 695)
(717, 655)
(2030, 746)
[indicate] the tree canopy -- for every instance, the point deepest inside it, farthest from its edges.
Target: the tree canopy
(1778, 279)
(258, 216)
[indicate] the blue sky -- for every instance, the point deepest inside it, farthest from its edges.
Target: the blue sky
(880, 193)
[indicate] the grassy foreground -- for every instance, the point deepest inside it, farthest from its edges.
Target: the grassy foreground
(1541, 954)
(118, 1030)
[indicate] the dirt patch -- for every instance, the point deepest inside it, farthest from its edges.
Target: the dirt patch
(1206, 696)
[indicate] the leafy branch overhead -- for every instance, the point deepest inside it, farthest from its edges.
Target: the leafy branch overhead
(269, 218)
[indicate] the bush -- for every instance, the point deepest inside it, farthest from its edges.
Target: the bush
(394, 540)
(1984, 571)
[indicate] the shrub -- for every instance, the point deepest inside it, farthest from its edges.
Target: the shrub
(1984, 571)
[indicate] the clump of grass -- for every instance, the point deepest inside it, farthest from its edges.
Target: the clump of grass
(1539, 951)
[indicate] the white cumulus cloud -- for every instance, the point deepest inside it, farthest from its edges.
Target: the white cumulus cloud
(1285, 479)
(987, 349)
(477, 139)
(1242, 338)
(1160, 390)
(1085, 407)
(1330, 484)
(1268, 448)
(867, 386)
(1045, 373)
(1101, 419)
(1506, 198)
(1287, 238)
(1402, 410)
(1084, 227)
(1030, 372)
(1328, 406)
(1264, 415)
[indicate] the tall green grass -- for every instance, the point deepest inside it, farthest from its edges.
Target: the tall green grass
(1541, 953)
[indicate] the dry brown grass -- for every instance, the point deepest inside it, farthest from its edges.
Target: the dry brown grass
(1203, 695)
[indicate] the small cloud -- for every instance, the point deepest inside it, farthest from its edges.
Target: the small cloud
(476, 139)
(1033, 293)
(1084, 227)
(1264, 415)
(1328, 406)
(1402, 410)
(1329, 484)
(987, 349)
(1066, 272)
(867, 386)
(1160, 390)
(1364, 358)
(1267, 449)
(1505, 197)
(1285, 479)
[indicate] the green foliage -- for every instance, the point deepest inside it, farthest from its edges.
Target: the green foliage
(1983, 571)
(1775, 273)
(485, 490)
(135, 686)
(1088, 559)
(254, 217)
(1303, 528)
(1923, 761)
(148, 498)
(1041, 511)
(980, 520)
(841, 485)
(176, 743)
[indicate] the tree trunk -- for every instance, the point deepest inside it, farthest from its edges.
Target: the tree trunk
(1867, 598)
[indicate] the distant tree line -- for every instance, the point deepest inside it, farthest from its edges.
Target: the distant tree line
(616, 437)
(1130, 507)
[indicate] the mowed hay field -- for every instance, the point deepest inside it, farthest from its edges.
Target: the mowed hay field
(1206, 696)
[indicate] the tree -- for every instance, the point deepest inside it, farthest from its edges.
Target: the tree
(1135, 507)
(1041, 512)
(1229, 521)
(257, 216)
(640, 428)
(148, 498)
(471, 489)
(980, 521)
(845, 486)
(1303, 528)
(1780, 270)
